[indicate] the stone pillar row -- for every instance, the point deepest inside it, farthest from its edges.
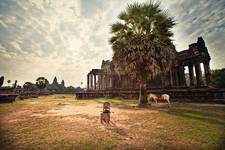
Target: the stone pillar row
(99, 82)
(207, 73)
(178, 75)
(198, 72)
(176, 78)
(191, 74)
(88, 82)
(103, 81)
(92, 82)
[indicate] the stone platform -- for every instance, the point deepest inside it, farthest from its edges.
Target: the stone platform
(7, 94)
(27, 94)
(185, 94)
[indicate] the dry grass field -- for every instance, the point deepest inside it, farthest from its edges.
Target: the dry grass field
(60, 122)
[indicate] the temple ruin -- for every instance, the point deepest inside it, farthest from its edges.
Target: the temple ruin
(186, 78)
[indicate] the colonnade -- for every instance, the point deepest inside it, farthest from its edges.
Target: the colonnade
(104, 81)
(176, 77)
(178, 74)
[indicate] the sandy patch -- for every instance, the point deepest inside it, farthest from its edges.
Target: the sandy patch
(92, 110)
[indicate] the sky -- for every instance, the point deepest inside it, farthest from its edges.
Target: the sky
(68, 38)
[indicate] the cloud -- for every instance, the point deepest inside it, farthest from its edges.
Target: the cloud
(68, 38)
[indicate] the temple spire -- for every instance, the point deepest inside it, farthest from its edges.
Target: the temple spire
(55, 82)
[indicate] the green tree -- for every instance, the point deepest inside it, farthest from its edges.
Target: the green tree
(218, 77)
(142, 43)
(41, 83)
(53, 87)
(29, 86)
(18, 87)
(9, 81)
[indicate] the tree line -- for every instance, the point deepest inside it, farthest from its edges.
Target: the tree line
(41, 84)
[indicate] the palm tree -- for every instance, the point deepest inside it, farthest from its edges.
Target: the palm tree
(15, 84)
(28, 86)
(142, 44)
(9, 81)
(41, 83)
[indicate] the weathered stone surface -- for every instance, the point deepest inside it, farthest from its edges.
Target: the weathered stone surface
(109, 82)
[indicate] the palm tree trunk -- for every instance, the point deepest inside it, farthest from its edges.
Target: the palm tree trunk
(142, 95)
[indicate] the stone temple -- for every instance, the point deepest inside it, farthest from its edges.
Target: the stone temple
(189, 78)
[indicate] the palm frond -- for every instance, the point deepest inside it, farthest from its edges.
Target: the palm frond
(141, 41)
(116, 27)
(123, 16)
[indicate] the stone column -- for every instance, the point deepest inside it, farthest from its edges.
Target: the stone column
(91, 76)
(94, 82)
(191, 74)
(98, 81)
(115, 82)
(101, 81)
(175, 77)
(110, 82)
(182, 76)
(198, 74)
(106, 82)
(125, 81)
(101, 86)
(88, 82)
(171, 78)
(128, 82)
(207, 72)
(121, 81)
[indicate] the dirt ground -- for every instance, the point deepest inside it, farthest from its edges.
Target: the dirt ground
(61, 122)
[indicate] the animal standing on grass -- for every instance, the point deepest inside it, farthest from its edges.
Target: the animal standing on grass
(152, 97)
(164, 97)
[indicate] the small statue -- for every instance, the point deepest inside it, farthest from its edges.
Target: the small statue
(105, 115)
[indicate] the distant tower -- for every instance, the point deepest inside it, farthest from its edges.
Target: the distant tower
(201, 45)
(55, 82)
(63, 83)
(201, 42)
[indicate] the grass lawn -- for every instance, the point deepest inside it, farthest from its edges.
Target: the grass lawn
(61, 122)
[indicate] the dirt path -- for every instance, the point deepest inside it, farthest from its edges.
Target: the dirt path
(73, 124)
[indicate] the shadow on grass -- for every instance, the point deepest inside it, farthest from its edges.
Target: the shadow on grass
(202, 126)
(199, 115)
(132, 104)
